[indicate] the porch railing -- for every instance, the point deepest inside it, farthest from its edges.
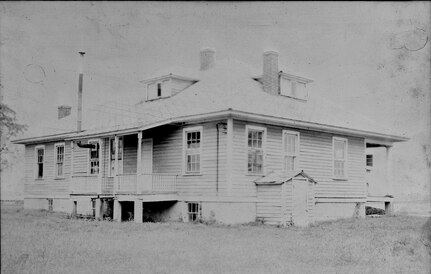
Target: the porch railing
(126, 183)
(147, 182)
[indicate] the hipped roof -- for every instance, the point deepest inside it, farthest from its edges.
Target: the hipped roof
(231, 86)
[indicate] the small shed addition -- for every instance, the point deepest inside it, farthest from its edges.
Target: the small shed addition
(285, 198)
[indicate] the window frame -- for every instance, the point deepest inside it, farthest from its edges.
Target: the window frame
(50, 204)
(369, 167)
(36, 174)
(345, 166)
(263, 148)
(285, 154)
(185, 131)
(197, 214)
(120, 167)
(91, 141)
(56, 145)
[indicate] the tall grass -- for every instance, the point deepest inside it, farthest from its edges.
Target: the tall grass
(42, 242)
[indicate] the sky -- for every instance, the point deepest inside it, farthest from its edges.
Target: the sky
(370, 57)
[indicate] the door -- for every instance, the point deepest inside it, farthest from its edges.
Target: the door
(147, 156)
(299, 211)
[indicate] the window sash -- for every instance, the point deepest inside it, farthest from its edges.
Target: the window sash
(290, 150)
(255, 151)
(94, 158)
(255, 161)
(40, 162)
(112, 156)
(340, 156)
(193, 151)
(369, 160)
(193, 211)
(59, 160)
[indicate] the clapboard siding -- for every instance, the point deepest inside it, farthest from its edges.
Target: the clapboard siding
(315, 158)
(49, 185)
(130, 154)
(168, 158)
(81, 158)
(269, 204)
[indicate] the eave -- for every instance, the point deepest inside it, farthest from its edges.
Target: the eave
(384, 139)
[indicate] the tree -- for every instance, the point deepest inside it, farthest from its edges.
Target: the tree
(9, 128)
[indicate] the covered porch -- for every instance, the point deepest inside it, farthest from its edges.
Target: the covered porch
(118, 164)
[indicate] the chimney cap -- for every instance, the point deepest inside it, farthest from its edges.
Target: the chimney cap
(267, 52)
(208, 49)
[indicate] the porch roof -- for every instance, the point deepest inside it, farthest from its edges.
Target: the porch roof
(278, 178)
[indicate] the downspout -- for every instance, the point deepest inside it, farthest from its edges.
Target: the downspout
(217, 158)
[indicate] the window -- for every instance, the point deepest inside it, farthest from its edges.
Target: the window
(93, 207)
(369, 160)
(193, 212)
(50, 203)
(40, 154)
(59, 159)
(340, 157)
(293, 88)
(290, 150)
(255, 149)
(112, 156)
(94, 157)
(159, 89)
(192, 149)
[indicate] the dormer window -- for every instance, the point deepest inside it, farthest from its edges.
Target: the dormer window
(159, 89)
(166, 85)
(293, 86)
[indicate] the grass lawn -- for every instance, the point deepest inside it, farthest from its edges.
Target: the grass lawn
(41, 242)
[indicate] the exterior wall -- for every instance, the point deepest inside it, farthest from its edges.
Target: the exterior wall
(59, 205)
(338, 210)
(315, 158)
(168, 158)
(49, 186)
(269, 203)
(130, 154)
(376, 176)
(228, 212)
(83, 203)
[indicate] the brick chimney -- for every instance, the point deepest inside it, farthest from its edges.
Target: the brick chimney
(64, 111)
(207, 59)
(270, 78)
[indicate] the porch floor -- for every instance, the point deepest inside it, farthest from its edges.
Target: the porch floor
(149, 197)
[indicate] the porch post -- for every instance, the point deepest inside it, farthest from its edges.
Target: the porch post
(101, 164)
(139, 168)
(116, 179)
(389, 183)
(117, 210)
(98, 208)
(137, 213)
(229, 154)
(389, 207)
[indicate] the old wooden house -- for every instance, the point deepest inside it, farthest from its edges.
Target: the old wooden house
(220, 143)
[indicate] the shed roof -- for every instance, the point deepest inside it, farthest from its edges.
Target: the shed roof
(280, 177)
